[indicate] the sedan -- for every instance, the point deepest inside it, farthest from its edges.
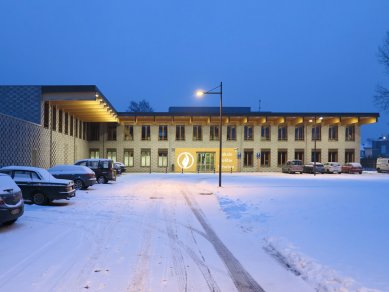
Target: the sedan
(308, 168)
(352, 167)
(82, 176)
(38, 185)
(332, 167)
(11, 200)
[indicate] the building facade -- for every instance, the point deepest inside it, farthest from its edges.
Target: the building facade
(48, 125)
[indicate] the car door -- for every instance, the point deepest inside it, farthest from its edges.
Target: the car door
(23, 179)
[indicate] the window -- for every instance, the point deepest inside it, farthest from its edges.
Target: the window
(349, 155)
(22, 175)
(76, 128)
(85, 129)
(197, 133)
(332, 155)
(180, 133)
(128, 133)
(162, 157)
(46, 115)
(350, 133)
(231, 133)
(214, 133)
(282, 133)
(80, 130)
(248, 133)
(248, 157)
(111, 132)
(282, 157)
(265, 158)
(94, 153)
(316, 155)
(71, 125)
(66, 123)
(145, 132)
(162, 136)
(94, 132)
(316, 132)
(299, 154)
(111, 154)
(54, 118)
(265, 133)
(299, 133)
(333, 133)
(60, 121)
(128, 157)
(145, 157)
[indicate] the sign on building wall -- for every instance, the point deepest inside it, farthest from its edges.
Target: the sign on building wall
(205, 159)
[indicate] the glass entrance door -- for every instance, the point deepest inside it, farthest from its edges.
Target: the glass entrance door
(205, 161)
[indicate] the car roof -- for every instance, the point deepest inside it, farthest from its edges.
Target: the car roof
(16, 167)
(70, 167)
(94, 159)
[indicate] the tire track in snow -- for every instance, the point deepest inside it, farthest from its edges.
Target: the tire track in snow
(242, 279)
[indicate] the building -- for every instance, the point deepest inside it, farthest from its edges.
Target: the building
(47, 125)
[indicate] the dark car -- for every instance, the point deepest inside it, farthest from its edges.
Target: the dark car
(103, 169)
(38, 185)
(11, 200)
(293, 166)
(82, 176)
(120, 167)
(319, 167)
(352, 167)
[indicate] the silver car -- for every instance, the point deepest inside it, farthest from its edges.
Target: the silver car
(332, 167)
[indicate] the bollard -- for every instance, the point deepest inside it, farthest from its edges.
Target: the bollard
(182, 170)
(150, 169)
(231, 170)
(166, 169)
(198, 169)
(213, 170)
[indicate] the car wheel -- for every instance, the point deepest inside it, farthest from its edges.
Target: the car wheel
(101, 180)
(10, 222)
(78, 184)
(39, 199)
(360, 172)
(378, 170)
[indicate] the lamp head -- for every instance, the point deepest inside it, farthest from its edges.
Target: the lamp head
(199, 93)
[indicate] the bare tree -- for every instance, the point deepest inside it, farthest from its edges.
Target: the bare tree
(141, 106)
(382, 93)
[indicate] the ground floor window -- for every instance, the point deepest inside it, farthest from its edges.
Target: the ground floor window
(111, 154)
(316, 155)
(282, 157)
(248, 158)
(162, 157)
(94, 153)
(265, 158)
(349, 155)
(333, 155)
(128, 157)
(145, 157)
(299, 154)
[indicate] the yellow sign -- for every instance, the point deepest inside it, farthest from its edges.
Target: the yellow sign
(205, 159)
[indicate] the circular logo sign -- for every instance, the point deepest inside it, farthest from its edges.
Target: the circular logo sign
(185, 160)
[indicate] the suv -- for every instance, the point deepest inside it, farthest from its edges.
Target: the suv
(293, 166)
(11, 200)
(103, 169)
(382, 164)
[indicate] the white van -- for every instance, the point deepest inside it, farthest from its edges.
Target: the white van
(382, 164)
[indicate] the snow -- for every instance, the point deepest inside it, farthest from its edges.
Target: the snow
(177, 232)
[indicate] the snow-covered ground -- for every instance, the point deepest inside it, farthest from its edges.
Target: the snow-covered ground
(174, 232)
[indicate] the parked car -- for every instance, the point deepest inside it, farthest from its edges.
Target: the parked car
(308, 168)
(11, 200)
(82, 176)
(332, 167)
(382, 165)
(38, 185)
(352, 167)
(103, 169)
(120, 167)
(293, 166)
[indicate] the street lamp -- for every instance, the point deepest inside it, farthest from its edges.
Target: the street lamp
(315, 139)
(200, 93)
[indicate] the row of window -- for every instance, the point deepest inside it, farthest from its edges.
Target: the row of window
(231, 133)
(248, 156)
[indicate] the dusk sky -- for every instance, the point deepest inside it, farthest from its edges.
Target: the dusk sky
(295, 56)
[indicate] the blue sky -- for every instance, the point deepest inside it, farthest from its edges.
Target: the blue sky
(293, 55)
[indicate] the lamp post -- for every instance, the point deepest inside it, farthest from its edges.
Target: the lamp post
(220, 92)
(315, 139)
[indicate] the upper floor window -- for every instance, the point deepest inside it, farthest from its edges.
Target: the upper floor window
(248, 133)
(197, 133)
(60, 121)
(111, 131)
(282, 133)
(71, 125)
(54, 118)
(316, 132)
(333, 133)
(66, 123)
(162, 133)
(265, 132)
(299, 133)
(94, 132)
(46, 115)
(180, 133)
(145, 132)
(214, 133)
(231, 133)
(350, 133)
(128, 133)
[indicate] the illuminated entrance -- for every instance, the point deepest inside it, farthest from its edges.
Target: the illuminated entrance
(205, 161)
